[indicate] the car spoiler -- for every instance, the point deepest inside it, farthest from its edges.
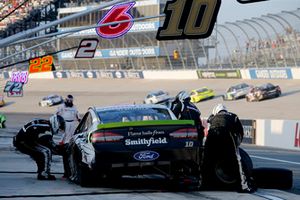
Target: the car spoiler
(145, 123)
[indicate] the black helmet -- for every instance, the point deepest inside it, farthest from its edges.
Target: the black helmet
(57, 123)
(69, 100)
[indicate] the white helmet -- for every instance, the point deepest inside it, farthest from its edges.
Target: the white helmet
(57, 123)
(182, 95)
(218, 108)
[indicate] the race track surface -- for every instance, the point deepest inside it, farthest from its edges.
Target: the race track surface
(17, 171)
(102, 92)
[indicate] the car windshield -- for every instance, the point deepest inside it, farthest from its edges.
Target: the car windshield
(158, 93)
(136, 114)
(202, 90)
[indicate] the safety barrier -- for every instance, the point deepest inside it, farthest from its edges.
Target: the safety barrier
(252, 73)
(278, 133)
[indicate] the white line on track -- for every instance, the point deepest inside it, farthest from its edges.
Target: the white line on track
(267, 196)
(278, 160)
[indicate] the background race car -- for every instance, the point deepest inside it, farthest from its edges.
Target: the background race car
(133, 140)
(264, 91)
(237, 91)
(156, 97)
(201, 94)
(51, 100)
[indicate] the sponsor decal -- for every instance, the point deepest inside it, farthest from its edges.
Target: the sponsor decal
(146, 155)
(42, 64)
(297, 136)
(146, 133)
(147, 142)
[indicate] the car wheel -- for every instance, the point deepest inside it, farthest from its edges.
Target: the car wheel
(81, 173)
(222, 174)
(273, 178)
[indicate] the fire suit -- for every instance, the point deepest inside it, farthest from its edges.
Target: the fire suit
(188, 111)
(36, 140)
(71, 117)
(221, 154)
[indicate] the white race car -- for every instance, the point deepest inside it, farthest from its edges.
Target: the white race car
(51, 100)
(156, 97)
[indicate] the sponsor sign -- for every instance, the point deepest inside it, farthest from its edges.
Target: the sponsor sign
(115, 53)
(249, 131)
(121, 74)
(137, 27)
(60, 74)
(228, 74)
(146, 156)
(89, 74)
(271, 73)
(75, 74)
(146, 141)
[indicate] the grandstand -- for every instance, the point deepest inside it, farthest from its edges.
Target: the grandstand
(272, 40)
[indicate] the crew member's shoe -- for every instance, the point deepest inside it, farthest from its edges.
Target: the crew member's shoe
(46, 177)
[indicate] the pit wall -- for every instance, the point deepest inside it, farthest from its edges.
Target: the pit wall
(248, 74)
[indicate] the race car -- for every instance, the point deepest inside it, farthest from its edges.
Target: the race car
(132, 140)
(237, 91)
(2, 102)
(201, 94)
(156, 97)
(265, 91)
(51, 100)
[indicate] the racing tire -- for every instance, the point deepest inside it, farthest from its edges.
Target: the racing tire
(221, 174)
(273, 178)
(226, 176)
(82, 175)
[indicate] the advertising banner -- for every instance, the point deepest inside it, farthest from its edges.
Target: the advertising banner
(121, 74)
(218, 74)
(282, 73)
(116, 53)
(60, 74)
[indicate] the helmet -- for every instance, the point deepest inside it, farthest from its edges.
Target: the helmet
(57, 123)
(69, 100)
(218, 108)
(182, 95)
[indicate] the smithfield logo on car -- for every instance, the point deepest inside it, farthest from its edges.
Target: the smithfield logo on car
(146, 155)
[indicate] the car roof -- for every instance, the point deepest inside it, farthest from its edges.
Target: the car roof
(157, 91)
(128, 107)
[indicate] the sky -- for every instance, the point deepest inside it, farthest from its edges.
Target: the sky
(232, 11)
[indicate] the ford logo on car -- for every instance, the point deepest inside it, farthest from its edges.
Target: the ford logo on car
(146, 155)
